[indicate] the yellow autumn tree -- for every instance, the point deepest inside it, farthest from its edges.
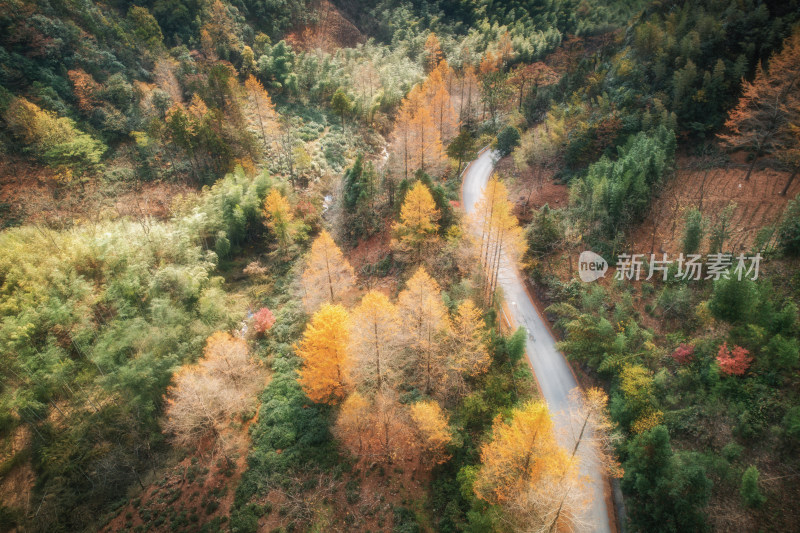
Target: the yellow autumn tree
(55, 140)
(327, 275)
(502, 240)
(392, 434)
(376, 329)
(400, 140)
(439, 103)
(425, 316)
(280, 219)
(376, 428)
(433, 52)
(428, 149)
(468, 95)
(521, 465)
(327, 366)
(468, 353)
(228, 358)
(432, 430)
(417, 225)
(354, 424)
(636, 385)
(415, 142)
(592, 431)
(264, 110)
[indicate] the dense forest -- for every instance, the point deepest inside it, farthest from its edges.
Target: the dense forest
(244, 285)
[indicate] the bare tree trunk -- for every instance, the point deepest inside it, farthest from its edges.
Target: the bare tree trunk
(752, 165)
(789, 183)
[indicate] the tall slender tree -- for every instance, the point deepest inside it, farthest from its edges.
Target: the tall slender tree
(422, 309)
(327, 365)
(417, 224)
(376, 331)
(327, 275)
(763, 115)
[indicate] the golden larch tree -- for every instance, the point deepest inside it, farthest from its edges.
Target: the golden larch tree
(432, 429)
(417, 225)
(433, 52)
(521, 465)
(427, 142)
(501, 237)
(425, 315)
(354, 424)
(438, 101)
(763, 117)
(415, 140)
(376, 330)
(392, 431)
(326, 372)
(400, 140)
(377, 428)
(591, 429)
(228, 359)
(264, 110)
(280, 219)
(328, 273)
(469, 94)
(469, 355)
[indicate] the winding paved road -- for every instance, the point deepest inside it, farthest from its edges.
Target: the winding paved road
(555, 378)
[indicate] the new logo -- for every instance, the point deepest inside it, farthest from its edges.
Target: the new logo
(591, 266)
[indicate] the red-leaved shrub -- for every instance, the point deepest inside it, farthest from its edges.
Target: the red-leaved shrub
(263, 321)
(683, 354)
(733, 363)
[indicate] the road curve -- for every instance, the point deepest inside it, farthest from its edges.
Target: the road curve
(554, 376)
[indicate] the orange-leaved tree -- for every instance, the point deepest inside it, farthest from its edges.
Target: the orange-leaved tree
(376, 330)
(264, 109)
(354, 424)
(439, 103)
(327, 366)
(501, 237)
(416, 143)
(328, 273)
(522, 464)
(433, 52)
(418, 217)
(423, 311)
(377, 428)
(428, 149)
(761, 122)
(468, 95)
(533, 75)
(433, 432)
(469, 355)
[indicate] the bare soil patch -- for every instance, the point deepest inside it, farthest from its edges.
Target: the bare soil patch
(758, 204)
(197, 490)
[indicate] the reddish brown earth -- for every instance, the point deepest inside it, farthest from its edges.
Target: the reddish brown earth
(758, 204)
(202, 476)
(362, 500)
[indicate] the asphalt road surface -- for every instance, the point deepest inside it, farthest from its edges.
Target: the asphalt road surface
(552, 372)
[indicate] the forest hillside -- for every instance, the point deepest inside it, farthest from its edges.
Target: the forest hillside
(245, 284)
